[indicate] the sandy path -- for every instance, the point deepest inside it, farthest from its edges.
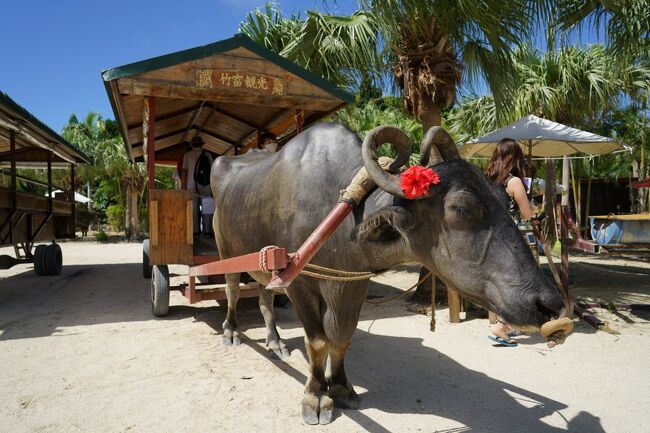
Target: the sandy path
(80, 352)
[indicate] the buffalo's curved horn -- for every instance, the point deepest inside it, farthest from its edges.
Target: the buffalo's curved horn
(437, 138)
(376, 137)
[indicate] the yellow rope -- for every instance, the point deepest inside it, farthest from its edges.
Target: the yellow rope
(355, 276)
(334, 277)
(339, 272)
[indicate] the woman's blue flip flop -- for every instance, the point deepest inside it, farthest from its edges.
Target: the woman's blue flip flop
(501, 342)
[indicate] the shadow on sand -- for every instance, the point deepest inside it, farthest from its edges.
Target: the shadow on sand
(436, 384)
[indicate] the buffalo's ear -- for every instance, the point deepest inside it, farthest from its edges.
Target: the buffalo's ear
(385, 225)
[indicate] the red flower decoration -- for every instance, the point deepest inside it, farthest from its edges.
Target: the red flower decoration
(416, 179)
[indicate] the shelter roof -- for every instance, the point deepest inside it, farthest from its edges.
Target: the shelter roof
(34, 139)
(224, 92)
(542, 137)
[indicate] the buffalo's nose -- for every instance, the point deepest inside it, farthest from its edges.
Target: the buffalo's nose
(552, 305)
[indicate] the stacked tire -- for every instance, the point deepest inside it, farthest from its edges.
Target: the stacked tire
(48, 259)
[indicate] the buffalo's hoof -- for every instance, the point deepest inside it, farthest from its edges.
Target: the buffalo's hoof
(344, 396)
(278, 349)
(310, 408)
(326, 410)
(280, 353)
(317, 409)
(231, 338)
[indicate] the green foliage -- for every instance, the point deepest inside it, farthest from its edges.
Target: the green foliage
(431, 45)
(572, 85)
(388, 110)
(368, 91)
(627, 23)
(111, 175)
(101, 236)
(337, 48)
(472, 118)
(115, 216)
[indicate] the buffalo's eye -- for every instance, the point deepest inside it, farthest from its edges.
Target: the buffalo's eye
(462, 211)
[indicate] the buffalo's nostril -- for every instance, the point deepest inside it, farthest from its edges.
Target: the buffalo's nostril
(547, 313)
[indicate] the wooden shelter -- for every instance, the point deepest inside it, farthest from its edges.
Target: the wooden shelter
(25, 218)
(228, 93)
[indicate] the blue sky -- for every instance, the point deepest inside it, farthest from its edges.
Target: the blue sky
(52, 52)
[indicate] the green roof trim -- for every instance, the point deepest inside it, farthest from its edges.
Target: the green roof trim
(239, 40)
(12, 105)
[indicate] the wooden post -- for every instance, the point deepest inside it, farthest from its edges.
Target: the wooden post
(432, 324)
(12, 156)
(564, 234)
(73, 187)
(453, 298)
(49, 183)
(149, 138)
(565, 180)
(300, 119)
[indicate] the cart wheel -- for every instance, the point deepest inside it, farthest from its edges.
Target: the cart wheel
(53, 259)
(160, 290)
(146, 267)
(39, 260)
(280, 300)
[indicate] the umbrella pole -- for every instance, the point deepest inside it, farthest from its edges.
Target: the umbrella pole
(565, 180)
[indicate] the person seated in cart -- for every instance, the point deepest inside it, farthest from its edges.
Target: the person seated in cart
(269, 142)
(196, 177)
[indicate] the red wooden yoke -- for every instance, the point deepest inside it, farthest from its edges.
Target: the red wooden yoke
(284, 267)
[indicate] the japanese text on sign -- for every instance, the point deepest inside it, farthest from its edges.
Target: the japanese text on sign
(211, 78)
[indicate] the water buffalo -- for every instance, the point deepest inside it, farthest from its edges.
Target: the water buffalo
(460, 230)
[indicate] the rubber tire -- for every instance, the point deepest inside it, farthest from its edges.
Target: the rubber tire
(160, 290)
(53, 259)
(147, 269)
(280, 300)
(39, 260)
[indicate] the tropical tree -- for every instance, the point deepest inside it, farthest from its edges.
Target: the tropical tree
(338, 48)
(431, 45)
(86, 135)
(111, 178)
(576, 86)
(626, 23)
(361, 118)
(473, 117)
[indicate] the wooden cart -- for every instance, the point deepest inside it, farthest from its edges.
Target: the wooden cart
(25, 218)
(229, 93)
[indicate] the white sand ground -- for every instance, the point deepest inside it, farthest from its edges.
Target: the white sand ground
(81, 352)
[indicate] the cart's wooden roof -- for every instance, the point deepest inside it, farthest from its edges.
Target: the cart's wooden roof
(226, 91)
(34, 139)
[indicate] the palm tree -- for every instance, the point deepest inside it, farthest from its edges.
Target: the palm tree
(473, 117)
(627, 23)
(572, 85)
(84, 135)
(338, 48)
(97, 138)
(575, 86)
(430, 45)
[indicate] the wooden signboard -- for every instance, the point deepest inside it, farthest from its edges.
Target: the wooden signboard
(170, 227)
(235, 79)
